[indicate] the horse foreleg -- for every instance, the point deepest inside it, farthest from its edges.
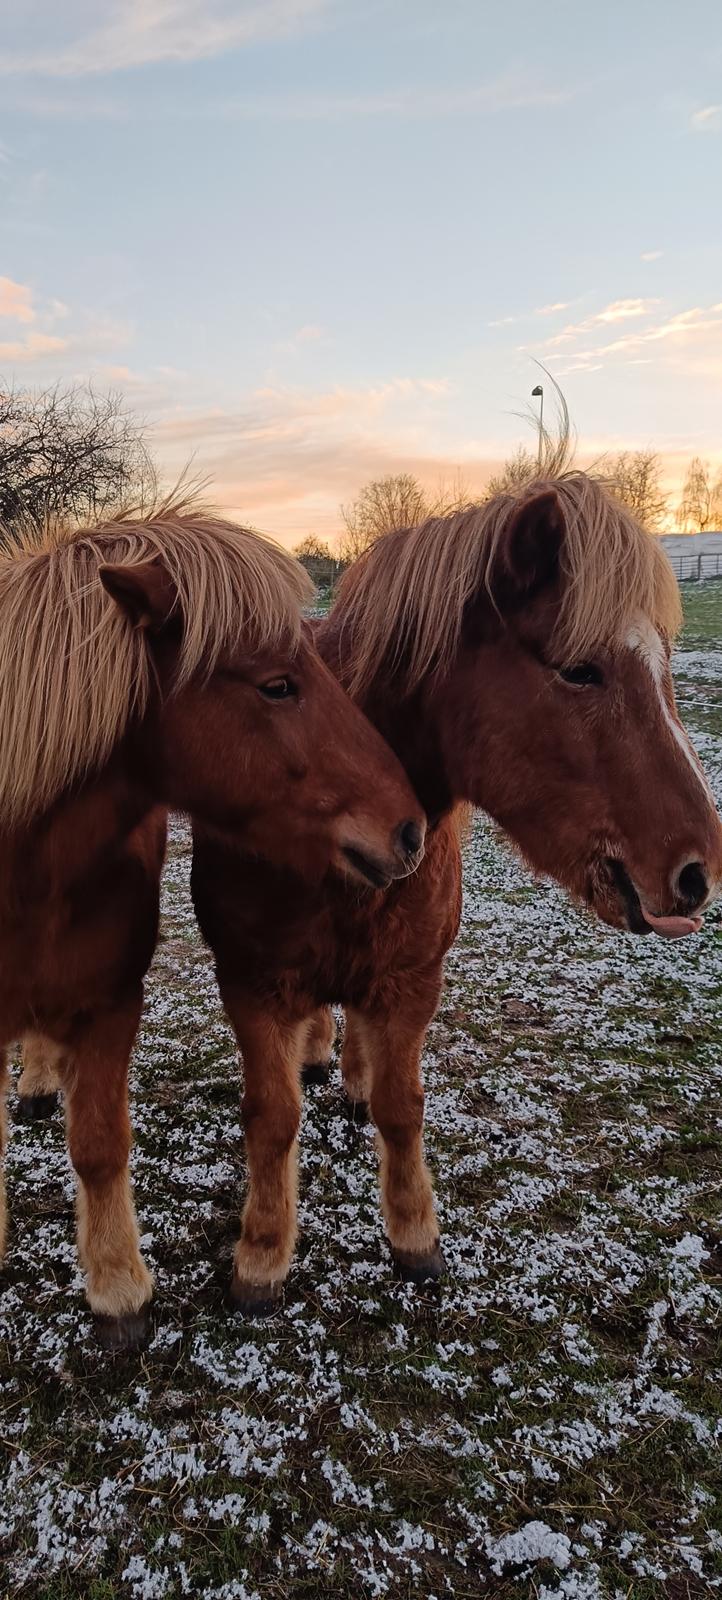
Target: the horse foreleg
(94, 1075)
(356, 1066)
(3, 1145)
(318, 1046)
(39, 1080)
(393, 1046)
(271, 1113)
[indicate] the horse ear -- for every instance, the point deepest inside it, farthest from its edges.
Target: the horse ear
(530, 548)
(144, 591)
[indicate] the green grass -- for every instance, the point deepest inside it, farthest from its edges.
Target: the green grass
(702, 612)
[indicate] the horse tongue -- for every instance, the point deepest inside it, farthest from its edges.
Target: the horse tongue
(673, 927)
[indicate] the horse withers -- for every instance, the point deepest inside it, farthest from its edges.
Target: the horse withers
(516, 655)
(146, 664)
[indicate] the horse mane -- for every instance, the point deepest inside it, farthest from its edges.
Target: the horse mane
(400, 607)
(74, 670)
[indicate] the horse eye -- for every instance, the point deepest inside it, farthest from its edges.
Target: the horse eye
(583, 675)
(278, 689)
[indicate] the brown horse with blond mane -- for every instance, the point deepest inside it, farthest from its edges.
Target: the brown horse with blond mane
(516, 655)
(147, 664)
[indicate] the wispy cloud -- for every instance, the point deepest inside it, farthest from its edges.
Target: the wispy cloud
(617, 311)
(287, 457)
(34, 348)
(551, 310)
(86, 334)
(689, 340)
(507, 94)
(16, 301)
(308, 333)
(66, 103)
(707, 120)
(625, 310)
(122, 46)
(136, 33)
(651, 255)
(510, 92)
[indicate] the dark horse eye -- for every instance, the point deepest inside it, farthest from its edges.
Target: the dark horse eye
(583, 675)
(278, 689)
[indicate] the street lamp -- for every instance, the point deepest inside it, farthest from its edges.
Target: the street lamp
(538, 393)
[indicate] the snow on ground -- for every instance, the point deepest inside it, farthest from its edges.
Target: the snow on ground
(545, 1423)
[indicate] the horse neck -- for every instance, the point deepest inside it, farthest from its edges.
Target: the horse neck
(412, 726)
(54, 850)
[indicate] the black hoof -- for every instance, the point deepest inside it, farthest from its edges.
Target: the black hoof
(255, 1300)
(412, 1268)
(123, 1335)
(357, 1112)
(315, 1074)
(36, 1107)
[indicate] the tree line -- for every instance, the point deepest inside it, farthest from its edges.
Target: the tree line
(69, 452)
(635, 476)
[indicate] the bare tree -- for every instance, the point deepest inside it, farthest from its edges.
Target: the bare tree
(634, 476)
(69, 452)
(451, 495)
(521, 468)
(313, 548)
(397, 501)
(701, 502)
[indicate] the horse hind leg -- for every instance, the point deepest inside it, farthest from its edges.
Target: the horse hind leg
(393, 1047)
(94, 1074)
(39, 1080)
(318, 1047)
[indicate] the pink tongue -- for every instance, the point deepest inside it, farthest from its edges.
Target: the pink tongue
(673, 927)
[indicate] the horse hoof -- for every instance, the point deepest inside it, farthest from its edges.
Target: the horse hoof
(36, 1107)
(413, 1268)
(357, 1112)
(255, 1300)
(123, 1335)
(315, 1074)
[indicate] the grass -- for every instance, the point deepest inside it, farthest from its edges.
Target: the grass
(546, 1423)
(702, 612)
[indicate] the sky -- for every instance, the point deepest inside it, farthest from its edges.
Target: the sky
(316, 241)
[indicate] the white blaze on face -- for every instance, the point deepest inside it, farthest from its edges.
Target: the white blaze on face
(644, 640)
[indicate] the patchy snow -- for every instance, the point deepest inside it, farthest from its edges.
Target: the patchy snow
(535, 1541)
(371, 1439)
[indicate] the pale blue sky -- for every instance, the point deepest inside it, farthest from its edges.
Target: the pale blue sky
(315, 240)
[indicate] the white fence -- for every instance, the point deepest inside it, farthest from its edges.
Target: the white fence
(697, 568)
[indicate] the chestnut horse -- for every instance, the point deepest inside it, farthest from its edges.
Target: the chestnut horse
(149, 664)
(516, 656)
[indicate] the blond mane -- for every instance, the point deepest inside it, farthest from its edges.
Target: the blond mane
(73, 669)
(400, 608)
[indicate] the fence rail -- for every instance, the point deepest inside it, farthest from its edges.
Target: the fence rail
(696, 569)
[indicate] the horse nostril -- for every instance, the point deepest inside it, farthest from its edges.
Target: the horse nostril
(410, 838)
(692, 886)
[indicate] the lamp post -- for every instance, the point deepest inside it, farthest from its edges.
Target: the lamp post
(538, 393)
